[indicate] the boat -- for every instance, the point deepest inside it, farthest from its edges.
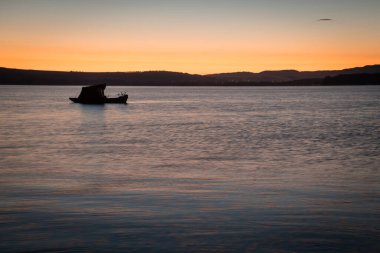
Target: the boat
(94, 94)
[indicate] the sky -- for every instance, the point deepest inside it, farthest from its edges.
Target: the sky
(197, 36)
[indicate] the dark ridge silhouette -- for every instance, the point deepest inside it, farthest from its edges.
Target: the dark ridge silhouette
(40, 77)
(167, 78)
(290, 75)
(353, 79)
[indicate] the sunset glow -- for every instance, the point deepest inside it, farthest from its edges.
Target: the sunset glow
(189, 36)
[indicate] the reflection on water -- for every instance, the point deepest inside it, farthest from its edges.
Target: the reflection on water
(92, 118)
(190, 169)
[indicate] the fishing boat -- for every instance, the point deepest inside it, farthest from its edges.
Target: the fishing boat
(94, 94)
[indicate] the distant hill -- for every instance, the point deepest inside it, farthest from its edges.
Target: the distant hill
(290, 75)
(161, 78)
(40, 77)
(353, 79)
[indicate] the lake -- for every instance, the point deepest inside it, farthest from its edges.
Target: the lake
(191, 169)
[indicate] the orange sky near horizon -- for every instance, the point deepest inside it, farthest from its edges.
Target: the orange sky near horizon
(240, 36)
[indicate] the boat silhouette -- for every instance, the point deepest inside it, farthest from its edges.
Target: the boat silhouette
(94, 94)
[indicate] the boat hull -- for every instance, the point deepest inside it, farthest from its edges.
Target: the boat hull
(118, 100)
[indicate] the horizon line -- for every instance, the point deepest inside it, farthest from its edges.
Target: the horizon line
(138, 71)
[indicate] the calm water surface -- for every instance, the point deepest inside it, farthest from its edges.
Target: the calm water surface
(276, 169)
